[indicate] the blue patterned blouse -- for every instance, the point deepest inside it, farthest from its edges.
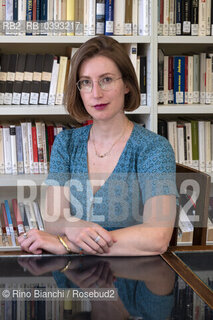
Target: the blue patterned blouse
(146, 168)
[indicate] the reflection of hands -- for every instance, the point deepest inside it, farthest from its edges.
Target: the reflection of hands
(40, 265)
(37, 240)
(90, 237)
(98, 275)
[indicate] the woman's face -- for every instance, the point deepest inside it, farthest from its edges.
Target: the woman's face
(103, 104)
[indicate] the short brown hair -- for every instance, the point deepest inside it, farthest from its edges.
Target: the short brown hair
(110, 48)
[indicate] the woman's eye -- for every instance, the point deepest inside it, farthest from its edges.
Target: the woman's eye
(107, 80)
(85, 83)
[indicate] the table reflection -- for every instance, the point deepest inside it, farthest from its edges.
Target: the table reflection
(201, 263)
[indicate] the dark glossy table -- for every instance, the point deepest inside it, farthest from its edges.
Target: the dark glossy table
(147, 288)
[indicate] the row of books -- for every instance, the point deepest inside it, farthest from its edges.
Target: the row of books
(42, 78)
(185, 17)
(185, 79)
(26, 147)
(16, 219)
(192, 142)
(75, 17)
(35, 309)
(33, 78)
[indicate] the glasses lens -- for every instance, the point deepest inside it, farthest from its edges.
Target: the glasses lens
(106, 83)
(84, 85)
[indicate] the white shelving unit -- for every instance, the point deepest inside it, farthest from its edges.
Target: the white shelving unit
(147, 44)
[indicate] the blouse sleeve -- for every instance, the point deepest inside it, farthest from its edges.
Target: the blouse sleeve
(59, 172)
(157, 169)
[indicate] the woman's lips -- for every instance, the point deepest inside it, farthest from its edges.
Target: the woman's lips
(100, 106)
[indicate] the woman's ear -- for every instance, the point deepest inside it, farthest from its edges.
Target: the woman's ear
(126, 89)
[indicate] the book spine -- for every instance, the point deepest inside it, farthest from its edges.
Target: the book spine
(134, 17)
(53, 82)
(143, 80)
(91, 17)
(212, 17)
(109, 16)
(61, 80)
(10, 224)
(208, 80)
(8, 235)
(28, 78)
(172, 26)
(36, 82)
(44, 147)
(178, 17)
(10, 79)
(207, 137)
(19, 148)
(40, 146)
(38, 216)
(71, 17)
(160, 76)
(166, 18)
(79, 17)
(119, 18)
(24, 133)
(17, 214)
(202, 151)
(188, 144)
(7, 150)
(1, 151)
(202, 78)
(180, 143)
(35, 149)
(29, 17)
(172, 136)
(5, 58)
(165, 76)
(46, 78)
(196, 78)
(100, 16)
(194, 17)
(143, 17)
(195, 144)
(170, 81)
(179, 80)
(208, 17)
(30, 146)
(128, 18)
(19, 78)
(202, 18)
(13, 149)
(186, 79)
(22, 16)
(186, 14)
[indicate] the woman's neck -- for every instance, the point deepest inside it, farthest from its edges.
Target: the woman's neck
(108, 130)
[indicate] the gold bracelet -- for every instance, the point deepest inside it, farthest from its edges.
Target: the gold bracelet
(66, 267)
(64, 244)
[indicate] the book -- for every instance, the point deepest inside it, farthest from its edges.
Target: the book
(166, 77)
(91, 7)
(180, 143)
(178, 17)
(5, 58)
(202, 15)
(195, 144)
(186, 17)
(109, 17)
(30, 145)
(179, 79)
(79, 17)
(38, 216)
(196, 78)
(28, 78)
(190, 79)
(19, 77)
(202, 151)
(143, 80)
(6, 225)
(25, 146)
(10, 79)
(19, 148)
(46, 78)
(18, 217)
(208, 17)
(172, 136)
(128, 18)
(144, 17)
(71, 17)
(194, 17)
(119, 17)
(100, 16)
(207, 138)
(160, 76)
(61, 80)
(35, 149)
(53, 82)
(13, 149)
(10, 224)
(29, 17)
(134, 17)
(202, 78)
(1, 151)
(208, 98)
(170, 81)
(40, 145)
(7, 150)
(36, 81)
(166, 18)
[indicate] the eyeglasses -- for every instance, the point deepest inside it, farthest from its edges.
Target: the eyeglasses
(106, 83)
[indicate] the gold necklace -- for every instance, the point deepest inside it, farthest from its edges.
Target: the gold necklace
(108, 152)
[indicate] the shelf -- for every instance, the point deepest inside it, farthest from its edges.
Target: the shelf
(48, 110)
(8, 180)
(68, 39)
(185, 109)
(32, 110)
(186, 39)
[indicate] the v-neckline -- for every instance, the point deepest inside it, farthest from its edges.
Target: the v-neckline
(116, 166)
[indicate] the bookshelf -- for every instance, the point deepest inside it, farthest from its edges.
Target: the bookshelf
(148, 114)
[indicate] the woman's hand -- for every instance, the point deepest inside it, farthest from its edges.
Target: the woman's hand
(89, 237)
(34, 241)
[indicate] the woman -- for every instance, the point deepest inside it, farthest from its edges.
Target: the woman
(115, 177)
